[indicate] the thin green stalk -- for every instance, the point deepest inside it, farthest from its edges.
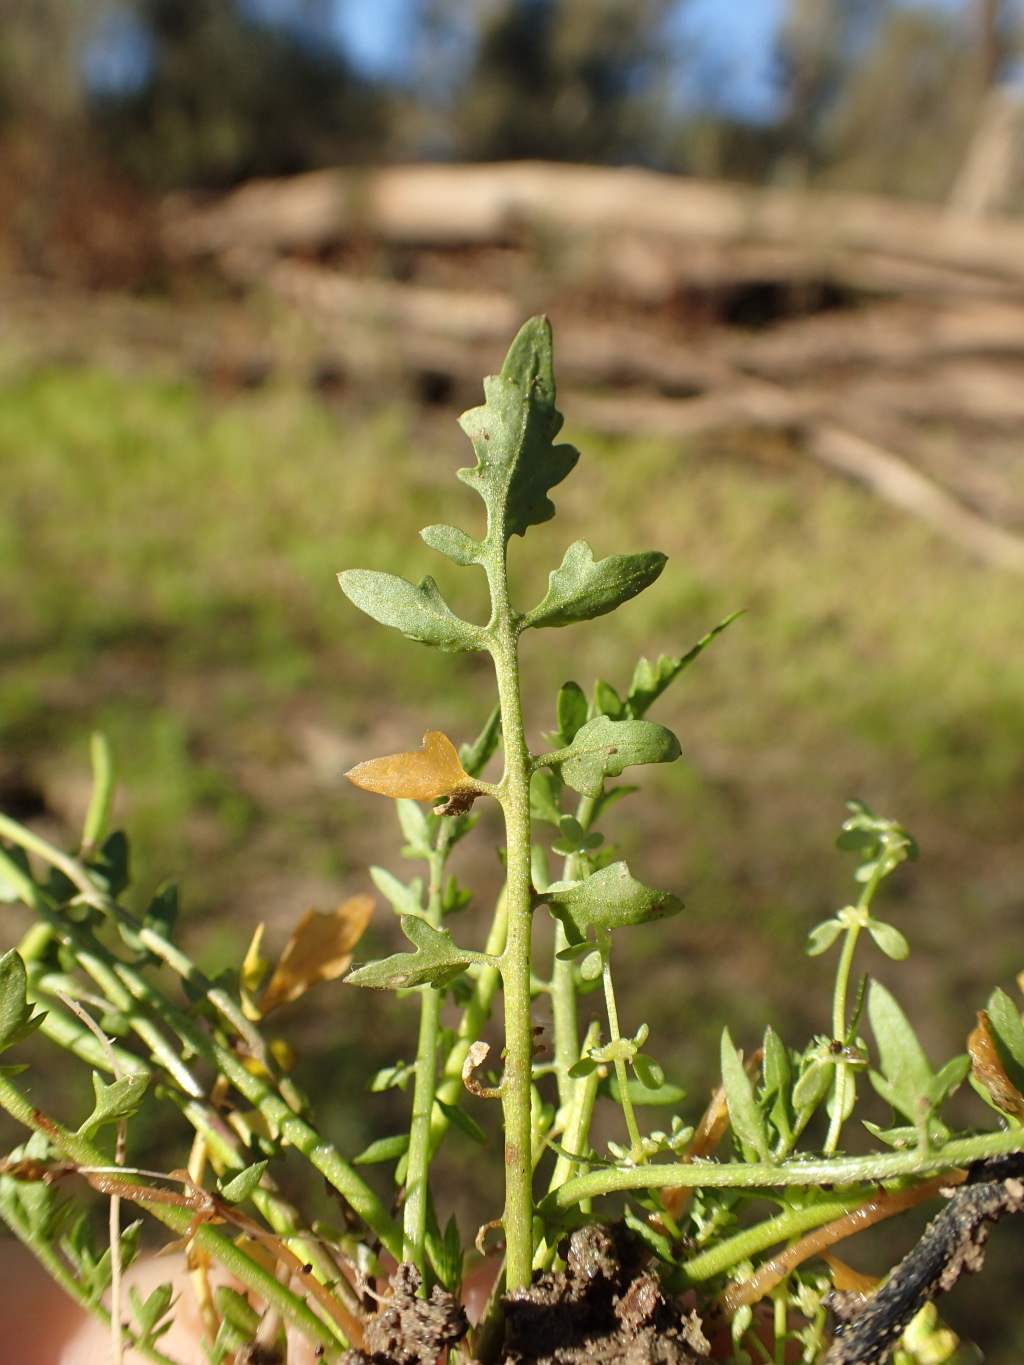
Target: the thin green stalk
(281, 1216)
(848, 1170)
(102, 798)
(780, 1322)
(417, 1181)
(604, 943)
(564, 1020)
(753, 1240)
(475, 1014)
(563, 983)
(574, 1140)
(156, 943)
(844, 1076)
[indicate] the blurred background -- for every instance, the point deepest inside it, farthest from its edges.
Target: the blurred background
(255, 257)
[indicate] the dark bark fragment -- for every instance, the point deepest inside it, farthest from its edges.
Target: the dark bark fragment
(952, 1244)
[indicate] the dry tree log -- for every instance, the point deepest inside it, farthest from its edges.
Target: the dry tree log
(463, 205)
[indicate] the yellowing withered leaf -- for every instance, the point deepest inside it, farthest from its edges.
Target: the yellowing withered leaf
(320, 949)
(419, 775)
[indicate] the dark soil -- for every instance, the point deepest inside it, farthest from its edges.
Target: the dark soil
(408, 1330)
(603, 1309)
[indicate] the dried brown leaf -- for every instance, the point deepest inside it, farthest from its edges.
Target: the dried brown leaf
(989, 1070)
(419, 774)
(320, 949)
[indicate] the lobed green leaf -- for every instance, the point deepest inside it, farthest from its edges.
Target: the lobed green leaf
(582, 588)
(436, 961)
(416, 609)
(604, 747)
(608, 899)
(118, 1100)
(513, 434)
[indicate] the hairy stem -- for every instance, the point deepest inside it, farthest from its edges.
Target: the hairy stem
(516, 959)
(848, 1170)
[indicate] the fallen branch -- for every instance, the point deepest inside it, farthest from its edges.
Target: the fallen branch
(896, 481)
(953, 1244)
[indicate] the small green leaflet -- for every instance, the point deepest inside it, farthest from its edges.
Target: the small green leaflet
(436, 961)
(1005, 1023)
(118, 1100)
(571, 711)
(416, 609)
(418, 826)
(608, 899)
(642, 1094)
(16, 1018)
(405, 900)
(906, 1080)
(148, 1312)
(544, 791)
(462, 1121)
(474, 757)
(746, 1118)
(650, 680)
(512, 435)
(455, 544)
(243, 1184)
(384, 1149)
(603, 748)
(580, 588)
(445, 1253)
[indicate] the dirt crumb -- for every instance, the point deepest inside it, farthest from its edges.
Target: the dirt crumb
(603, 1309)
(408, 1330)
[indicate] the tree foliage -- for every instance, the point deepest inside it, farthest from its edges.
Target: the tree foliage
(228, 97)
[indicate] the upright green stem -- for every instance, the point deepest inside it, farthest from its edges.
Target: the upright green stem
(516, 959)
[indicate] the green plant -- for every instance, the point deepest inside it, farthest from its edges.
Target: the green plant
(106, 974)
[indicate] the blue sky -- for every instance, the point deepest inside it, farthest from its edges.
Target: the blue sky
(736, 37)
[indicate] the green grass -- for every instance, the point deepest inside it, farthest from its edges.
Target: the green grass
(167, 567)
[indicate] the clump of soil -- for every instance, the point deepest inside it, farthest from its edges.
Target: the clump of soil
(603, 1309)
(408, 1330)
